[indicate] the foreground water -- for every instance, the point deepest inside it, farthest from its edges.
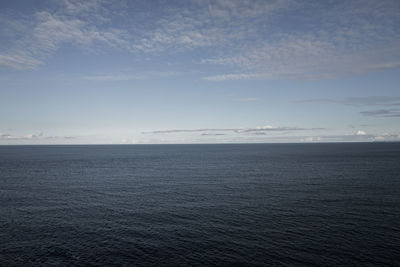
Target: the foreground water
(275, 204)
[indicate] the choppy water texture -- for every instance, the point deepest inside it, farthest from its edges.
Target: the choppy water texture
(275, 204)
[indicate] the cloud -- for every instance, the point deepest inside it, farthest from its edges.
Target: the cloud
(383, 101)
(358, 101)
(359, 136)
(260, 138)
(6, 136)
(52, 30)
(204, 24)
(212, 134)
(19, 61)
(249, 39)
(387, 137)
(299, 138)
(69, 137)
(382, 113)
(189, 131)
(304, 58)
(126, 76)
(129, 141)
(382, 66)
(46, 31)
(267, 128)
(32, 136)
(90, 26)
(331, 138)
(347, 38)
(311, 139)
(238, 76)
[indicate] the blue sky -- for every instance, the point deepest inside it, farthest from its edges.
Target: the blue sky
(194, 71)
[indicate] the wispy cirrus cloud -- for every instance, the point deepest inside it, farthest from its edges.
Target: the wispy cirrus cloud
(357, 101)
(381, 101)
(382, 113)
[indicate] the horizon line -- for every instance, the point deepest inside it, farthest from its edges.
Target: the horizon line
(255, 143)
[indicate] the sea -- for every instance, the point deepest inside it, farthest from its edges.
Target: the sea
(327, 204)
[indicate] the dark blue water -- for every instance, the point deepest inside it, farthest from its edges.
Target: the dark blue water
(272, 204)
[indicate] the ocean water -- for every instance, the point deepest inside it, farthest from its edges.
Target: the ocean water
(199, 205)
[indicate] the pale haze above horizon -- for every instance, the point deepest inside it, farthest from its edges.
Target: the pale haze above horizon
(194, 71)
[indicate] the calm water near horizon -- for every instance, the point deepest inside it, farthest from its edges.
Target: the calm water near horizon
(180, 205)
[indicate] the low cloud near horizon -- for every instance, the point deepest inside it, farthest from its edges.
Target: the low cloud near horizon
(266, 128)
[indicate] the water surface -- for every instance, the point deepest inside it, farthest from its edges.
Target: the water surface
(268, 204)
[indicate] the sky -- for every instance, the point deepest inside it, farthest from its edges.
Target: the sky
(199, 71)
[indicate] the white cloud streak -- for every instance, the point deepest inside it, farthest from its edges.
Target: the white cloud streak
(31, 137)
(204, 138)
(267, 128)
(385, 137)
